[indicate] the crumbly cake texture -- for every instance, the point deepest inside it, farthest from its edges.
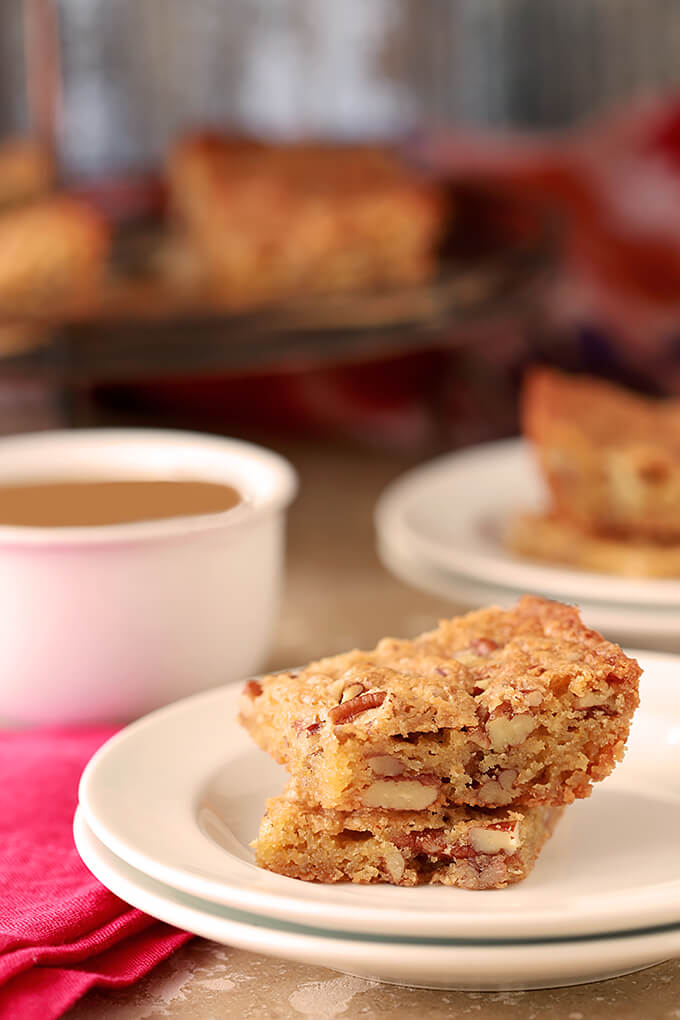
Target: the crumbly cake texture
(270, 221)
(52, 252)
(551, 539)
(459, 846)
(611, 458)
(498, 707)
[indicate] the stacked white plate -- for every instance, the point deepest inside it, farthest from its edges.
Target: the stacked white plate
(440, 528)
(169, 806)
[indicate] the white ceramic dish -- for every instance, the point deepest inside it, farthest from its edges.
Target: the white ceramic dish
(179, 796)
(451, 514)
(642, 627)
(105, 623)
(486, 965)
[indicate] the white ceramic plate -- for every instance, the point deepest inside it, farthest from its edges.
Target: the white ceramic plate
(452, 512)
(179, 795)
(642, 627)
(424, 963)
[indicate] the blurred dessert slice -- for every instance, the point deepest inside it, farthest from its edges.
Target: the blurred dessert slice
(611, 461)
(25, 171)
(52, 256)
(270, 221)
(555, 540)
(611, 458)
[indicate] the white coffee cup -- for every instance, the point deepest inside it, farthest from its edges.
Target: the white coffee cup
(104, 623)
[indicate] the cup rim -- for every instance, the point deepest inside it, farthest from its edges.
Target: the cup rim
(267, 481)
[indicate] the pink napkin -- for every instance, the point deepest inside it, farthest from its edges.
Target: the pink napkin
(61, 931)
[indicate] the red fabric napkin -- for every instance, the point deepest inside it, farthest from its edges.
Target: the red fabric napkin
(61, 931)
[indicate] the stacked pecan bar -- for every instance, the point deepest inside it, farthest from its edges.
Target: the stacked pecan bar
(443, 759)
(611, 460)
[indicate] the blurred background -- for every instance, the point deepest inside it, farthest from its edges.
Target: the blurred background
(343, 230)
(547, 134)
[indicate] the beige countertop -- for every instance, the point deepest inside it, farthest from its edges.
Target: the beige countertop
(338, 596)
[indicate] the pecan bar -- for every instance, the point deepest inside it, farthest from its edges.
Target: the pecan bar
(555, 540)
(610, 457)
(468, 847)
(272, 221)
(497, 707)
(52, 253)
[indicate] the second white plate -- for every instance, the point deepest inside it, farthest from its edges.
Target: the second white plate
(452, 512)
(634, 626)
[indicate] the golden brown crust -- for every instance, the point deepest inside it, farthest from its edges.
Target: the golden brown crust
(277, 220)
(611, 458)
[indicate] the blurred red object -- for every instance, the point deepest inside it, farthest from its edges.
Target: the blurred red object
(614, 188)
(381, 403)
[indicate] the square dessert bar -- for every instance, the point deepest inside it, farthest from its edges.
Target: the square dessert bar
(276, 220)
(610, 457)
(468, 847)
(522, 706)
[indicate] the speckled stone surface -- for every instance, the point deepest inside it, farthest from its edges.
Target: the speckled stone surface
(338, 596)
(207, 982)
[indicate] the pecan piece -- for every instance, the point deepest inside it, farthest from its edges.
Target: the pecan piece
(349, 710)
(506, 778)
(402, 793)
(498, 790)
(394, 864)
(385, 765)
(432, 843)
(492, 792)
(507, 730)
(592, 699)
(499, 837)
(351, 692)
(484, 645)
(304, 726)
(533, 697)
